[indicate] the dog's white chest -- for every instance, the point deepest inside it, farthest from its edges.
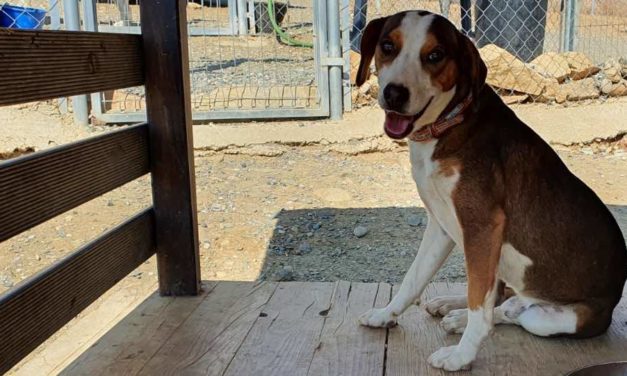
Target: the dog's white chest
(435, 188)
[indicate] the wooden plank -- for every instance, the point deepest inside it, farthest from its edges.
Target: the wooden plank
(39, 306)
(164, 30)
(284, 338)
(345, 347)
(126, 348)
(510, 350)
(417, 335)
(39, 186)
(87, 329)
(206, 343)
(45, 64)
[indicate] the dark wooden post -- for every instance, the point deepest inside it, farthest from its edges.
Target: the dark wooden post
(164, 30)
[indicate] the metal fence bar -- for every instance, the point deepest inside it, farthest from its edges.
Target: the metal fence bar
(321, 50)
(345, 28)
(71, 19)
(225, 115)
(242, 17)
(233, 17)
(569, 25)
(335, 60)
(90, 23)
(55, 24)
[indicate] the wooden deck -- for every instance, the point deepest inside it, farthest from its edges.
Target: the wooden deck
(296, 328)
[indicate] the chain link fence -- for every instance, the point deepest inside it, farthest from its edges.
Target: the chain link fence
(550, 51)
(248, 59)
(31, 14)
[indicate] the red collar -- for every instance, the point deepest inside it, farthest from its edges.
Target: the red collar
(443, 123)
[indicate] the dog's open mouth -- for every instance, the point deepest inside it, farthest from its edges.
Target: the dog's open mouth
(398, 125)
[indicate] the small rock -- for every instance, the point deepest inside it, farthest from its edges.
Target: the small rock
(605, 85)
(206, 245)
(109, 202)
(360, 231)
(414, 220)
(37, 257)
(403, 253)
(6, 281)
(303, 248)
(285, 274)
(619, 89)
(612, 70)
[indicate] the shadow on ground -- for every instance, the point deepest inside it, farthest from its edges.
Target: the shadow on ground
(321, 245)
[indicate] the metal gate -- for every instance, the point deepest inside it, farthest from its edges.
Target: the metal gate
(248, 59)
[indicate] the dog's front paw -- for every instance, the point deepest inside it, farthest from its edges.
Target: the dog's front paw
(378, 318)
(450, 359)
(455, 321)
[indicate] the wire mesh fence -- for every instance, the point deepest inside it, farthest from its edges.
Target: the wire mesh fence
(550, 51)
(245, 56)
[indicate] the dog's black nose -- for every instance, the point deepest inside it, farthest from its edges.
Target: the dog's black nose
(395, 97)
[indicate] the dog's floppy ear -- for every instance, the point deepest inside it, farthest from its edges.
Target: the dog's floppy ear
(473, 67)
(369, 40)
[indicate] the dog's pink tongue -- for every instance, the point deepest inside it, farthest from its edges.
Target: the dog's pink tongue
(396, 125)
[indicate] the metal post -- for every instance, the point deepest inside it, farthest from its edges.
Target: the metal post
(125, 12)
(54, 10)
(90, 23)
(345, 26)
(335, 59)
(242, 17)
(321, 50)
(569, 23)
(72, 22)
(233, 16)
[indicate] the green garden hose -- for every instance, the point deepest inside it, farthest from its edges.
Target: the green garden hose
(280, 33)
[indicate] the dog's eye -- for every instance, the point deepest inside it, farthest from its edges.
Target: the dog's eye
(435, 56)
(387, 47)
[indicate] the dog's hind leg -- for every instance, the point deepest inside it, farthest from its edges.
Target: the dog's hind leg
(442, 305)
(579, 320)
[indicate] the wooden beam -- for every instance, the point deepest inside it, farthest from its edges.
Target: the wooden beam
(45, 64)
(39, 186)
(39, 306)
(164, 30)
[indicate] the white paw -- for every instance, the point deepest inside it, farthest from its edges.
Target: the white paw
(455, 321)
(450, 359)
(442, 305)
(378, 318)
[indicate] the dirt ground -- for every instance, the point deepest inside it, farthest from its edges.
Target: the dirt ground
(277, 211)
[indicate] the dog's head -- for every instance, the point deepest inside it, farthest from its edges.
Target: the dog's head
(424, 64)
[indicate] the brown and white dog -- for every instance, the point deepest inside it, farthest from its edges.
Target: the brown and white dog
(494, 188)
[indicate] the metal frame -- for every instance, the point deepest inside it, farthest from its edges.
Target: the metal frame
(329, 65)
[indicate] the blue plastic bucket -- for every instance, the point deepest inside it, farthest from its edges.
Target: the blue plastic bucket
(21, 18)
